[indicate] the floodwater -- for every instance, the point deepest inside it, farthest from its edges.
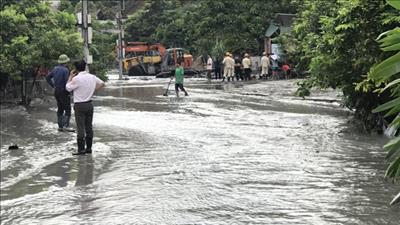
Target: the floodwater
(226, 154)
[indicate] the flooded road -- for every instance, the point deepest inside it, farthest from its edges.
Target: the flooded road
(226, 154)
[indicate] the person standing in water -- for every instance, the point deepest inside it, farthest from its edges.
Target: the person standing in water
(83, 84)
(179, 76)
(264, 65)
(57, 79)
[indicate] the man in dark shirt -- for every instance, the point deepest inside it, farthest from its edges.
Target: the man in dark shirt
(57, 79)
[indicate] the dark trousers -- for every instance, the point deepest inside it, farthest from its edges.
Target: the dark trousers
(218, 73)
(209, 74)
(63, 107)
(180, 86)
(247, 73)
(238, 73)
(84, 119)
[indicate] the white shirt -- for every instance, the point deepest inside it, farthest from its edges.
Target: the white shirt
(228, 62)
(209, 64)
(264, 61)
(246, 63)
(83, 85)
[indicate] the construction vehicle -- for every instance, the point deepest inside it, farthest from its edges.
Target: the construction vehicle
(143, 59)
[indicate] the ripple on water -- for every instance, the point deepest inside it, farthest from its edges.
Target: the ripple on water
(217, 157)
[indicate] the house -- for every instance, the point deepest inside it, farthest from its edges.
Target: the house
(282, 24)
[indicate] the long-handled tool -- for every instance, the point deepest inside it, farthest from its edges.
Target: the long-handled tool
(169, 83)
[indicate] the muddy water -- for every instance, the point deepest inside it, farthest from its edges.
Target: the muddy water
(227, 154)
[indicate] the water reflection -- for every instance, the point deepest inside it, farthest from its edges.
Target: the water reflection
(85, 170)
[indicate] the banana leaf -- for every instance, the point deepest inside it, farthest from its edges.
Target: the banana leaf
(394, 3)
(395, 199)
(387, 68)
(387, 105)
(387, 34)
(397, 81)
(393, 168)
(392, 37)
(392, 48)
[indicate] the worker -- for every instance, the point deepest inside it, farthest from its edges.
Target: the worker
(246, 66)
(179, 76)
(57, 79)
(232, 67)
(227, 67)
(209, 68)
(238, 69)
(264, 65)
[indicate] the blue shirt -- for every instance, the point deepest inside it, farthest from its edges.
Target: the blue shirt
(58, 77)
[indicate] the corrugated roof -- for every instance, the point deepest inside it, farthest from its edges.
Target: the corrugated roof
(271, 30)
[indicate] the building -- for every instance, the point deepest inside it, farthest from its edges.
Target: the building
(282, 24)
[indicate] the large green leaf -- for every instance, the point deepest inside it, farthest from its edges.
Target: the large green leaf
(394, 47)
(393, 147)
(393, 168)
(394, 3)
(393, 111)
(391, 39)
(387, 105)
(392, 143)
(397, 81)
(387, 33)
(395, 199)
(387, 68)
(393, 152)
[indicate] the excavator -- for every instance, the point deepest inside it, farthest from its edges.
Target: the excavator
(144, 59)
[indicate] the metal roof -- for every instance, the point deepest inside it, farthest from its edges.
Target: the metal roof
(282, 24)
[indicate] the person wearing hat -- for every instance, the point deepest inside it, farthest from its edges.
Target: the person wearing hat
(57, 79)
(264, 65)
(227, 67)
(246, 66)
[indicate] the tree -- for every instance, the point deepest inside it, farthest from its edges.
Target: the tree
(388, 72)
(196, 25)
(35, 36)
(336, 46)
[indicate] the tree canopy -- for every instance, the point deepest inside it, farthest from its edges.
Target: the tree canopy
(199, 25)
(35, 35)
(335, 43)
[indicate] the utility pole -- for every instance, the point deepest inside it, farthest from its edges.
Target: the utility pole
(120, 39)
(86, 33)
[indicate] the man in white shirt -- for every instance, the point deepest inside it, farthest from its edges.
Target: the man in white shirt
(264, 65)
(232, 65)
(246, 66)
(229, 64)
(83, 85)
(209, 67)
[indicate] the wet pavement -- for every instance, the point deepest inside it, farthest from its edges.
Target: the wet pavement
(226, 154)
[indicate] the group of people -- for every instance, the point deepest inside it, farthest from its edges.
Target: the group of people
(233, 67)
(82, 86)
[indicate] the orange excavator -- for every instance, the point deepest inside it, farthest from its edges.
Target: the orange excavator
(144, 59)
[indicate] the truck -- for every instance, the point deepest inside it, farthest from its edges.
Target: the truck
(144, 59)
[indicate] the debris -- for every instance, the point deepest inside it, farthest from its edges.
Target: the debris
(13, 147)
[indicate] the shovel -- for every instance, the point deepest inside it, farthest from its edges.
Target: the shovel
(166, 91)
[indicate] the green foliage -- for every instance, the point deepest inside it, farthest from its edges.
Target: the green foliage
(101, 49)
(334, 41)
(197, 25)
(387, 72)
(218, 50)
(35, 35)
(304, 89)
